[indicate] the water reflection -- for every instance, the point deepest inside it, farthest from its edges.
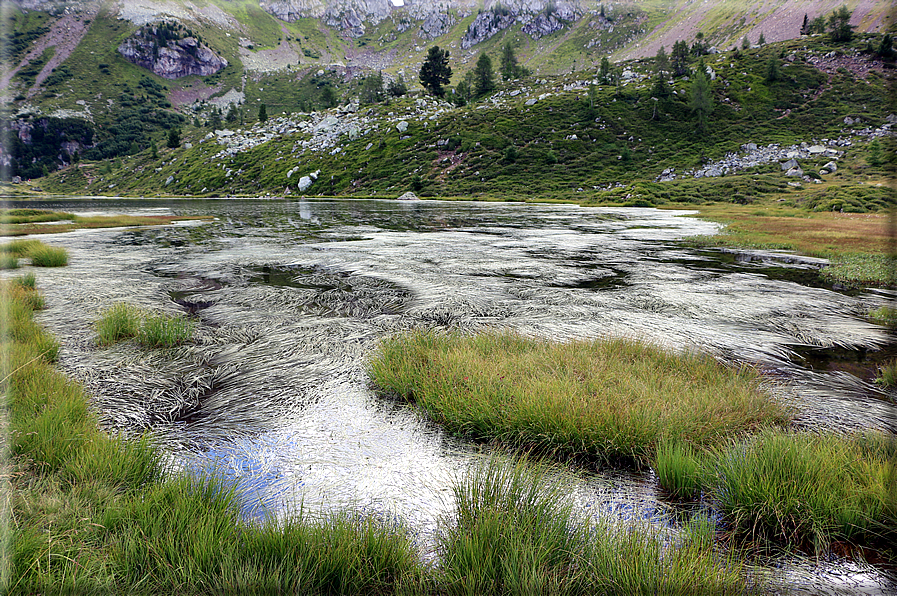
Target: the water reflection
(291, 296)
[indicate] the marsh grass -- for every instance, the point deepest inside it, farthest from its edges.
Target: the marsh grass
(605, 398)
(516, 533)
(36, 223)
(801, 488)
(49, 256)
(884, 315)
(8, 261)
(124, 321)
(162, 331)
(93, 513)
(120, 321)
(887, 374)
(19, 216)
(861, 269)
(39, 253)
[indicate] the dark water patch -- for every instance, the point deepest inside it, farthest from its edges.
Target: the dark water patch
(861, 363)
(772, 266)
(335, 292)
(618, 279)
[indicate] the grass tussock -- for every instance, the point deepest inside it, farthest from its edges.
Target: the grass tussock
(884, 315)
(887, 374)
(39, 253)
(606, 398)
(798, 487)
(516, 533)
(124, 321)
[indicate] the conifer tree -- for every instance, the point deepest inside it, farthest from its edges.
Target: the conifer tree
(483, 77)
(435, 73)
(839, 25)
(700, 99)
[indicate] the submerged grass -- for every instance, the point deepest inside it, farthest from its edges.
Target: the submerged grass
(798, 487)
(98, 514)
(516, 533)
(856, 244)
(93, 513)
(124, 321)
(21, 222)
(605, 398)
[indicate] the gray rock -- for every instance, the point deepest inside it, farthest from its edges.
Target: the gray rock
(530, 102)
(402, 126)
(177, 58)
(408, 196)
(790, 164)
(795, 172)
(816, 150)
(305, 183)
(831, 166)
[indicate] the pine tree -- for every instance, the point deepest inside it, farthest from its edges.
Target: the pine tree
(483, 77)
(397, 87)
(772, 70)
(661, 62)
(805, 28)
(679, 58)
(215, 119)
(435, 73)
(839, 25)
(604, 71)
(745, 43)
(263, 113)
(509, 67)
(174, 138)
(372, 89)
(762, 40)
(700, 99)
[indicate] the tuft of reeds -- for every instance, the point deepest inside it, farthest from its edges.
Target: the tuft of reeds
(887, 374)
(39, 253)
(605, 398)
(162, 331)
(801, 488)
(120, 321)
(49, 256)
(516, 533)
(679, 469)
(27, 281)
(9, 261)
(124, 321)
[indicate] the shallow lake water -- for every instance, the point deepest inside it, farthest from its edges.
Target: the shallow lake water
(291, 296)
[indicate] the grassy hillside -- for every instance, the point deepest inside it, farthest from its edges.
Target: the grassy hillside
(564, 146)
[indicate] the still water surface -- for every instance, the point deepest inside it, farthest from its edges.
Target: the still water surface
(291, 295)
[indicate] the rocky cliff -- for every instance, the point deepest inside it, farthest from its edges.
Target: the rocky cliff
(170, 52)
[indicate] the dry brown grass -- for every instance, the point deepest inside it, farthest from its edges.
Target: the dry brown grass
(99, 221)
(823, 234)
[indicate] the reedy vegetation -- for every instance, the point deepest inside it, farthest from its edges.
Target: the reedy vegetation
(605, 398)
(124, 321)
(703, 427)
(93, 513)
(40, 254)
